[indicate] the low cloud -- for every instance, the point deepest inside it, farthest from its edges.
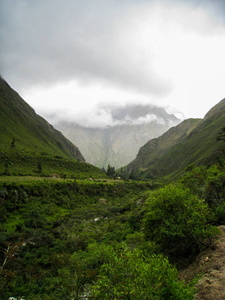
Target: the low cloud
(110, 116)
(149, 118)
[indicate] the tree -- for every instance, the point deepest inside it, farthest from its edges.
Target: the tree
(13, 143)
(103, 170)
(110, 171)
(39, 167)
(221, 135)
(6, 172)
(178, 221)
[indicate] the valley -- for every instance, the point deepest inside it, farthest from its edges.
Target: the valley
(70, 231)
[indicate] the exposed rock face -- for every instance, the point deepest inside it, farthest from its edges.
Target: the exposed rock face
(210, 264)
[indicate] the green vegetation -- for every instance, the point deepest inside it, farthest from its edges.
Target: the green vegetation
(25, 132)
(31, 146)
(177, 220)
(15, 164)
(131, 275)
(191, 142)
(65, 233)
(106, 240)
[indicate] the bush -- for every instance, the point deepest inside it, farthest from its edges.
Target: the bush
(34, 219)
(178, 221)
(96, 255)
(130, 275)
(215, 187)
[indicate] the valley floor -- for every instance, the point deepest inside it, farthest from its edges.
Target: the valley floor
(111, 239)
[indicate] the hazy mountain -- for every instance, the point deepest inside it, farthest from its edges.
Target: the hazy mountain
(118, 144)
(191, 142)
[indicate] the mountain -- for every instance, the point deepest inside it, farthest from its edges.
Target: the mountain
(118, 144)
(26, 137)
(191, 142)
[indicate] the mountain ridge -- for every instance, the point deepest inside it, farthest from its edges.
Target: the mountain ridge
(29, 145)
(26, 123)
(191, 142)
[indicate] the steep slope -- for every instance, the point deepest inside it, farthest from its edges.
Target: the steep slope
(119, 144)
(191, 142)
(29, 145)
(31, 132)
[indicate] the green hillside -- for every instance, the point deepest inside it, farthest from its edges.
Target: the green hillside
(105, 239)
(191, 142)
(30, 145)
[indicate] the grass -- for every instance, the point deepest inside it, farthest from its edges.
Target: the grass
(28, 179)
(16, 164)
(180, 147)
(30, 146)
(13, 219)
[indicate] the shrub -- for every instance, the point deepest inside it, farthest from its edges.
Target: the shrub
(178, 221)
(34, 219)
(130, 275)
(96, 255)
(215, 187)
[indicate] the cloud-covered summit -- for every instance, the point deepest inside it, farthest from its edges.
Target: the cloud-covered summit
(116, 115)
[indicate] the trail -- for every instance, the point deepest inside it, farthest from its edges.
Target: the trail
(210, 264)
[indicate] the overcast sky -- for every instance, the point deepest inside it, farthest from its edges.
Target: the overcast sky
(69, 58)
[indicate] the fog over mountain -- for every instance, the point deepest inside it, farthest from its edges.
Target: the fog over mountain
(131, 126)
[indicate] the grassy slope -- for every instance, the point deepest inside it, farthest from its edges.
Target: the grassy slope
(191, 142)
(35, 141)
(31, 132)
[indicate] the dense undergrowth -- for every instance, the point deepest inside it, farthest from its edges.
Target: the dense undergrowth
(101, 240)
(16, 163)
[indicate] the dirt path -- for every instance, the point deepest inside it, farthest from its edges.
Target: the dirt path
(211, 264)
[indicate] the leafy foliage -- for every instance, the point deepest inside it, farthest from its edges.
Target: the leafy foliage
(130, 275)
(178, 221)
(110, 171)
(51, 221)
(221, 135)
(209, 184)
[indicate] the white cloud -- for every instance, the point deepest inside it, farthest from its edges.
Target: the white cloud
(65, 57)
(149, 118)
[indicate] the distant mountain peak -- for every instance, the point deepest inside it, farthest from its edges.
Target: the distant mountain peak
(131, 127)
